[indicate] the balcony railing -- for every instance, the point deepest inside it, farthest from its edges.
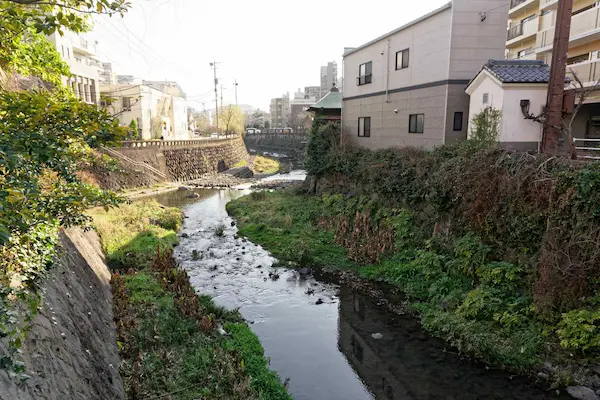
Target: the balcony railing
(515, 31)
(515, 3)
(587, 71)
(581, 24)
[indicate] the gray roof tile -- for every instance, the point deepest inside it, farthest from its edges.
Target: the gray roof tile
(519, 71)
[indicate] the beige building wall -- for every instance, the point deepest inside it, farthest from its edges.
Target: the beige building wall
(446, 49)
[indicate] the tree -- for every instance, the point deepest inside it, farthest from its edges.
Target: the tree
(232, 119)
(486, 125)
(133, 132)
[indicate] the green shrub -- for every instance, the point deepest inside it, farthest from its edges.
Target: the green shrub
(580, 330)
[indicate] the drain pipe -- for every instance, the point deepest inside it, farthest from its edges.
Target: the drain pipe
(387, 73)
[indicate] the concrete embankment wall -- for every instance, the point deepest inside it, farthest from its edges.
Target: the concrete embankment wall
(184, 160)
(71, 352)
(291, 145)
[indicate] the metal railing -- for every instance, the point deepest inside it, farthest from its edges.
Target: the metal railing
(587, 151)
(515, 31)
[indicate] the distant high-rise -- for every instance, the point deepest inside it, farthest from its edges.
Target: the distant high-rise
(329, 74)
(313, 91)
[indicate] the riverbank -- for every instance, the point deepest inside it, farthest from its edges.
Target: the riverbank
(479, 308)
(173, 342)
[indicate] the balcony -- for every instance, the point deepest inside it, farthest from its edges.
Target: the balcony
(522, 31)
(588, 72)
(585, 28)
(83, 46)
(548, 4)
(517, 6)
(527, 54)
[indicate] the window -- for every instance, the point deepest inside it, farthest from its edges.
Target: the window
(486, 98)
(458, 121)
(530, 18)
(365, 73)
(584, 9)
(62, 50)
(402, 59)
(127, 103)
(416, 123)
(68, 53)
(364, 127)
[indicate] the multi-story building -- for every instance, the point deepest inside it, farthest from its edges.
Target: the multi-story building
(158, 114)
(299, 116)
(128, 80)
(530, 36)
(80, 55)
(314, 92)
(329, 75)
(280, 111)
(106, 75)
(407, 87)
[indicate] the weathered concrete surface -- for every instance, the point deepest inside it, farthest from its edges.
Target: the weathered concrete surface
(188, 162)
(84, 362)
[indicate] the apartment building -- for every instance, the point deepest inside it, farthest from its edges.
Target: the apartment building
(158, 114)
(80, 54)
(314, 92)
(106, 75)
(407, 87)
(329, 76)
(530, 36)
(280, 111)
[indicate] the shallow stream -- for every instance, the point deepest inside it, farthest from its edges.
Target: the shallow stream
(348, 347)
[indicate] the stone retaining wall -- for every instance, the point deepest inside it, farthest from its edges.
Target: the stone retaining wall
(191, 163)
(187, 162)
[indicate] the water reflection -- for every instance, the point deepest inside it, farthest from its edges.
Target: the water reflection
(397, 361)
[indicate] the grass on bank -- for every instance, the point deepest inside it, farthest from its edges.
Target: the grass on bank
(166, 353)
(480, 306)
(264, 165)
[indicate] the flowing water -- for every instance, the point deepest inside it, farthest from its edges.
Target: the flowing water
(345, 348)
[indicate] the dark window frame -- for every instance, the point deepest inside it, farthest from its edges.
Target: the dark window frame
(405, 60)
(366, 127)
(415, 129)
(458, 128)
(367, 77)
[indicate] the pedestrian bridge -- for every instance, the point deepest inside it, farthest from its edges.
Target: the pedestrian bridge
(292, 145)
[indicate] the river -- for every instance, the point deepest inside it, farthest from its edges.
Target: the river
(345, 348)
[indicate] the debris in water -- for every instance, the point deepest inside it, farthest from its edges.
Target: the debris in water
(377, 336)
(319, 301)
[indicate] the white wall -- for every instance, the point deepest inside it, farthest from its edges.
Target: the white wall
(476, 105)
(515, 128)
(153, 107)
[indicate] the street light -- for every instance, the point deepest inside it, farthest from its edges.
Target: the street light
(235, 84)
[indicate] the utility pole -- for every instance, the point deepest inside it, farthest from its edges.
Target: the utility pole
(214, 65)
(221, 97)
(556, 86)
(235, 84)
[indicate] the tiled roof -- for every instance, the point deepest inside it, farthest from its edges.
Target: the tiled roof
(519, 71)
(332, 100)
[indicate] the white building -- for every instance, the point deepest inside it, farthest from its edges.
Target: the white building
(107, 75)
(329, 76)
(508, 86)
(80, 54)
(406, 88)
(159, 114)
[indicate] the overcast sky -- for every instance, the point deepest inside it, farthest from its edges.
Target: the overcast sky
(269, 46)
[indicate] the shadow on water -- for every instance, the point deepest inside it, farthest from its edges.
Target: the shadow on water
(346, 348)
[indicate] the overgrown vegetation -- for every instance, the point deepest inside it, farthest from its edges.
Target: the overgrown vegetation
(265, 165)
(495, 250)
(174, 343)
(44, 133)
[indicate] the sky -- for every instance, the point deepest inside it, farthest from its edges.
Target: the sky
(270, 47)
